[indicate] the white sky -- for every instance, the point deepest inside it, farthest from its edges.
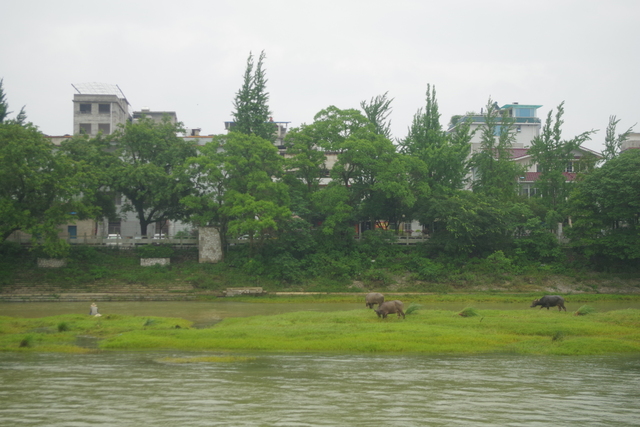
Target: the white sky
(188, 56)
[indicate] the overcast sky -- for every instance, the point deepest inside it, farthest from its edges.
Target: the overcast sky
(188, 56)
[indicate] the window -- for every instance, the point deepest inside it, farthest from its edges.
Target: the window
(118, 199)
(105, 128)
(85, 128)
(525, 112)
(85, 108)
(569, 167)
(114, 227)
(104, 108)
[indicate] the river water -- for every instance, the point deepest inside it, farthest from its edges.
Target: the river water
(271, 389)
(138, 389)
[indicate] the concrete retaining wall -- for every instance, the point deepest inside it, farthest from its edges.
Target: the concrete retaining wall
(147, 262)
(51, 263)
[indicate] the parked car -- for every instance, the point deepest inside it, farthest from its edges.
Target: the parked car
(114, 239)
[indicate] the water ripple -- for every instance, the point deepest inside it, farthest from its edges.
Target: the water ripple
(127, 389)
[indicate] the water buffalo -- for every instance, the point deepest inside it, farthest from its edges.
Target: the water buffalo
(550, 301)
(373, 298)
(390, 307)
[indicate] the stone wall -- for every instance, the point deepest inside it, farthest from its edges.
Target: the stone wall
(147, 262)
(209, 245)
(51, 263)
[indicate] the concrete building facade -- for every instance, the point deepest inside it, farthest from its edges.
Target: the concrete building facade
(98, 107)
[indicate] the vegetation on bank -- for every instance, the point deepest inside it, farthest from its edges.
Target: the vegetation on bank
(423, 331)
(358, 267)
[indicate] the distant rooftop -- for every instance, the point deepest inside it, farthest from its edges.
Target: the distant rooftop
(98, 89)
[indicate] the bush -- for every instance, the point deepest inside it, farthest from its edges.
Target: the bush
(155, 251)
(376, 276)
(27, 341)
(469, 312)
(424, 268)
(584, 310)
(84, 253)
(413, 307)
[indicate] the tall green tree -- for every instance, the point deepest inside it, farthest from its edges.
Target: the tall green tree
(252, 115)
(40, 187)
(4, 108)
(147, 167)
(238, 188)
(553, 155)
(305, 166)
(377, 111)
(444, 154)
(605, 207)
(369, 179)
(495, 174)
(256, 199)
(613, 141)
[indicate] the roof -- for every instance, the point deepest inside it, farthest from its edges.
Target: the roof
(517, 153)
(520, 106)
(96, 88)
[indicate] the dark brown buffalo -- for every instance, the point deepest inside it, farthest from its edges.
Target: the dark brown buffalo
(373, 298)
(390, 307)
(550, 301)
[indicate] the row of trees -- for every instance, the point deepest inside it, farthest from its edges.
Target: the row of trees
(296, 206)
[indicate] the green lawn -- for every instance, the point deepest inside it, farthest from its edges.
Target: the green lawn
(424, 331)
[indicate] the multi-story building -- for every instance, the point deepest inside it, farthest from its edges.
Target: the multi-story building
(526, 124)
(156, 116)
(98, 107)
(632, 141)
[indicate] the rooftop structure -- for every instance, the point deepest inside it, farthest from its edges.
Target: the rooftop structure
(526, 124)
(98, 107)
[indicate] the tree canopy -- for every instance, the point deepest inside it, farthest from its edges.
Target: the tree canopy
(252, 115)
(605, 208)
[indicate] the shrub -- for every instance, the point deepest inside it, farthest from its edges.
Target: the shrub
(584, 310)
(469, 312)
(27, 341)
(155, 251)
(63, 327)
(376, 276)
(84, 253)
(413, 307)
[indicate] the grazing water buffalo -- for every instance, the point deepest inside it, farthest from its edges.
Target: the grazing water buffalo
(390, 307)
(550, 301)
(373, 298)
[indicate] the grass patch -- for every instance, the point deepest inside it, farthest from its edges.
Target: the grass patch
(469, 312)
(360, 331)
(413, 307)
(584, 310)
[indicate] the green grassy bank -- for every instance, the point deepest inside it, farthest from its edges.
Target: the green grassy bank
(109, 269)
(423, 331)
